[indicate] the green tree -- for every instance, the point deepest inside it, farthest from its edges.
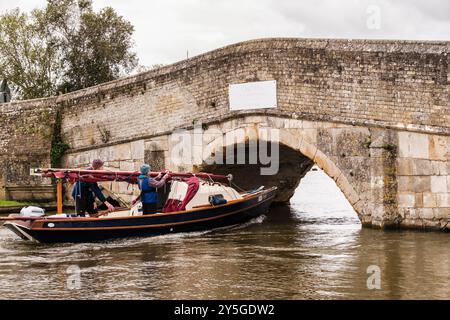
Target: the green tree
(63, 47)
(28, 57)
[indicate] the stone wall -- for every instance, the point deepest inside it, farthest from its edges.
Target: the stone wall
(392, 84)
(25, 142)
(423, 178)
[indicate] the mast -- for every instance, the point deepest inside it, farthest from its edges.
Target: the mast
(59, 196)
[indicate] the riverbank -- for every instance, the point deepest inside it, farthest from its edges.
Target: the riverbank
(8, 209)
(8, 203)
(7, 206)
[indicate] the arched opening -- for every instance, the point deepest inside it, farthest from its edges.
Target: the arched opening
(318, 199)
(292, 167)
(296, 159)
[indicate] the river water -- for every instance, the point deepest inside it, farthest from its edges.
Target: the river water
(313, 249)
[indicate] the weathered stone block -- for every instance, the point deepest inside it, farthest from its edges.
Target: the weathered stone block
(439, 148)
(251, 133)
(126, 165)
(347, 189)
(426, 213)
(350, 142)
(419, 200)
(289, 139)
(310, 135)
(261, 120)
(441, 213)
(443, 200)
(417, 167)
(308, 149)
(272, 122)
(421, 167)
(293, 124)
(429, 200)
(327, 165)
(414, 183)
(405, 166)
(122, 151)
(137, 149)
(439, 184)
(309, 124)
(430, 224)
(413, 145)
(406, 200)
(376, 182)
(444, 168)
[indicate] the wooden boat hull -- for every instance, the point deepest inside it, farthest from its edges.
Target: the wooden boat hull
(96, 229)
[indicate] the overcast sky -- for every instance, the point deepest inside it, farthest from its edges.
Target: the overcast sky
(166, 29)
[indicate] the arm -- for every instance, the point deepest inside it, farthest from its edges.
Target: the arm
(153, 183)
(156, 184)
(75, 190)
(98, 193)
(136, 200)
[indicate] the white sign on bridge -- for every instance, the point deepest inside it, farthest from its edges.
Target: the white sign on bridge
(253, 95)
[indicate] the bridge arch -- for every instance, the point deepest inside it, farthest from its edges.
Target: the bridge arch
(297, 154)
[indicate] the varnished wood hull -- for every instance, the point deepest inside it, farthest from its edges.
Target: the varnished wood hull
(95, 229)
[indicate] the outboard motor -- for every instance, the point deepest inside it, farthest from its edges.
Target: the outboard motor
(32, 212)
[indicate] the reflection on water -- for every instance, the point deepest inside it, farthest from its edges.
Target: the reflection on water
(313, 249)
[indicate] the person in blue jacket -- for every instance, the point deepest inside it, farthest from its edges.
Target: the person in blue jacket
(148, 187)
(84, 194)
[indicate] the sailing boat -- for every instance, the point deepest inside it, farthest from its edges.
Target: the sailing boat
(196, 202)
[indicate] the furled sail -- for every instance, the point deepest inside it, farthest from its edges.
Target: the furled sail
(84, 175)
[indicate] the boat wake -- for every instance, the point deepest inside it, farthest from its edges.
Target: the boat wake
(176, 237)
(10, 242)
(257, 220)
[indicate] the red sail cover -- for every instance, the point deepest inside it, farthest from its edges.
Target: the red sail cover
(93, 175)
(177, 205)
(193, 185)
(84, 175)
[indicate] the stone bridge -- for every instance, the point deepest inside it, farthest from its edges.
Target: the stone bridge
(374, 115)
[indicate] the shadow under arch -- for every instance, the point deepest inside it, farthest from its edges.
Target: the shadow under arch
(296, 157)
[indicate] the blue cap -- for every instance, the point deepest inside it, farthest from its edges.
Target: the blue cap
(145, 169)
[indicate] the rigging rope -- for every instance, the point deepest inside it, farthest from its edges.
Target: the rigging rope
(232, 183)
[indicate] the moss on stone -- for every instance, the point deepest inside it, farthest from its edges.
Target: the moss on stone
(59, 147)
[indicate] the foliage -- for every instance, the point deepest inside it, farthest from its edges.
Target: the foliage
(57, 151)
(390, 147)
(28, 55)
(367, 143)
(104, 133)
(63, 47)
(59, 147)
